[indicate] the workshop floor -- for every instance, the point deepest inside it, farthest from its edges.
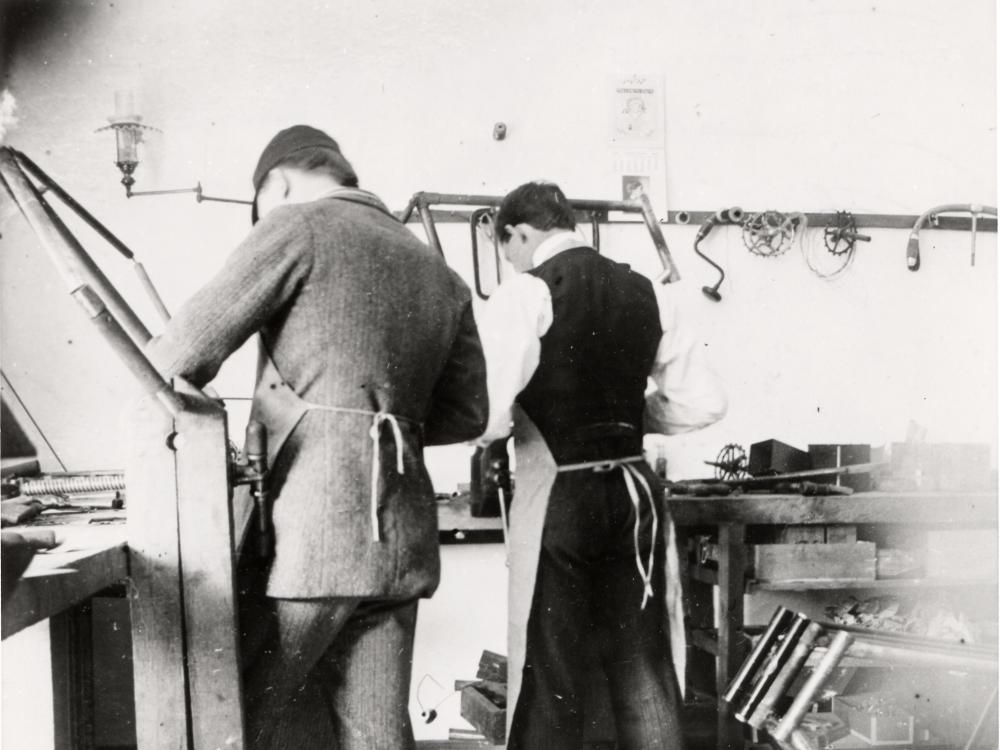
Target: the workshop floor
(699, 733)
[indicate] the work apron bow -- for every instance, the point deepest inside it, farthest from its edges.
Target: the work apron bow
(536, 474)
(280, 409)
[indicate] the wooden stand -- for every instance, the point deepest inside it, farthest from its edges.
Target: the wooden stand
(182, 586)
(730, 516)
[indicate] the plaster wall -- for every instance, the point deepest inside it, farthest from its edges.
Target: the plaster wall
(881, 106)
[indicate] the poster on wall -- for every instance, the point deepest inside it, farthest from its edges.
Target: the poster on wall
(637, 139)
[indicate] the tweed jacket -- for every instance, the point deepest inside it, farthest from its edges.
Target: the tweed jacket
(356, 314)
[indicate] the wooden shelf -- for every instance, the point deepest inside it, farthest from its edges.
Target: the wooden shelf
(880, 583)
(960, 508)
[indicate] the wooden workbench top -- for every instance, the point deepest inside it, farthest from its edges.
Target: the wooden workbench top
(966, 508)
(91, 557)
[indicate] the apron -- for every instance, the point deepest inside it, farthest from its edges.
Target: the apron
(280, 409)
(536, 473)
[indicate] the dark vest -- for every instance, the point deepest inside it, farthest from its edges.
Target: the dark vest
(587, 395)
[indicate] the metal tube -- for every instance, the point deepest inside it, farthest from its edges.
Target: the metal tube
(147, 284)
(670, 273)
(789, 671)
(595, 231)
(79, 210)
(912, 657)
(142, 369)
(428, 222)
(913, 244)
(812, 686)
(71, 260)
(780, 621)
(773, 667)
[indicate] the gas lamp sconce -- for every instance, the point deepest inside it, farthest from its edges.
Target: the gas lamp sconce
(129, 131)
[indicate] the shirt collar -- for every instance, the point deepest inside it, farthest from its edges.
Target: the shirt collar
(554, 245)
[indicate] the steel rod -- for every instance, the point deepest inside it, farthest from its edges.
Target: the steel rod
(430, 229)
(71, 260)
(670, 273)
(773, 666)
(71, 203)
(814, 683)
(783, 680)
(778, 624)
(128, 351)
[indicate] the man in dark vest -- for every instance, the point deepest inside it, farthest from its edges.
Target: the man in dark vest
(570, 345)
(368, 353)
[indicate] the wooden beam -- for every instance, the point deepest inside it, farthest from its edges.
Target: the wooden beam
(868, 507)
(209, 577)
(161, 713)
(56, 581)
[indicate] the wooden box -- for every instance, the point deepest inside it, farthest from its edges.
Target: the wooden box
(484, 705)
(797, 562)
(875, 718)
(774, 457)
(832, 456)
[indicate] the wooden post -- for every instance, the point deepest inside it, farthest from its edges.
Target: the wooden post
(732, 570)
(209, 578)
(161, 714)
(182, 589)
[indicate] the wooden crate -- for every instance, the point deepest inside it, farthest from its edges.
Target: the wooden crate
(797, 562)
(875, 718)
(484, 705)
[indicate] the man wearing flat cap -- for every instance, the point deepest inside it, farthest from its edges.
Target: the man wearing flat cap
(368, 353)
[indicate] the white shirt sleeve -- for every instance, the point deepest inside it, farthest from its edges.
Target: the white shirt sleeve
(511, 324)
(688, 395)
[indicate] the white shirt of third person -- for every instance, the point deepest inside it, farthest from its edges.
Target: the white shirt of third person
(687, 396)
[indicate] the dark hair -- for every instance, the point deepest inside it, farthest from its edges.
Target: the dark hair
(322, 159)
(539, 204)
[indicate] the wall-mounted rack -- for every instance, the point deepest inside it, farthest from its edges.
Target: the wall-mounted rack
(866, 221)
(697, 218)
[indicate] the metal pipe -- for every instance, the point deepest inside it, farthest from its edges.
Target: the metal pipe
(474, 220)
(70, 202)
(154, 296)
(783, 680)
(916, 658)
(142, 369)
(97, 226)
(71, 260)
(805, 697)
(913, 245)
(772, 667)
(429, 228)
(670, 273)
(778, 624)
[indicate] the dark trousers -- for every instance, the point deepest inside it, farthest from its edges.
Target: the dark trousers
(588, 583)
(328, 673)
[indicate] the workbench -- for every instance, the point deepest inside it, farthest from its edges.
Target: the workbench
(93, 559)
(718, 630)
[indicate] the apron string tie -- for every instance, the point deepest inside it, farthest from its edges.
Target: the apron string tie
(631, 475)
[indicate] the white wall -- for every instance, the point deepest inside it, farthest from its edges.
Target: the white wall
(809, 105)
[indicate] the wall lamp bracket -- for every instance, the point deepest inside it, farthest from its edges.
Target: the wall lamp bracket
(129, 132)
